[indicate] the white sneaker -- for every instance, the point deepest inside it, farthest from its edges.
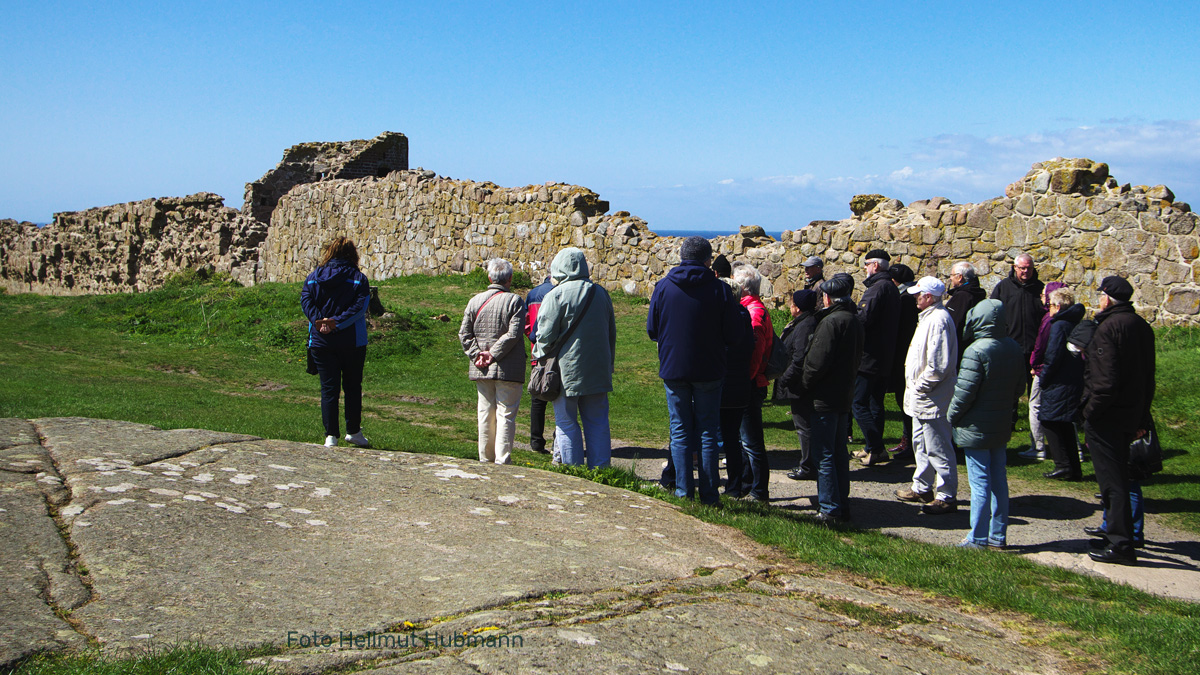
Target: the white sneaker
(1033, 453)
(358, 439)
(331, 441)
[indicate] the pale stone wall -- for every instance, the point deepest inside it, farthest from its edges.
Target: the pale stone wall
(128, 247)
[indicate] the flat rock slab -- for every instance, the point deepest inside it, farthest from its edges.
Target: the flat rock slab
(232, 540)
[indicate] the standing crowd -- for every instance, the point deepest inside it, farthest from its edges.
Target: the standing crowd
(957, 361)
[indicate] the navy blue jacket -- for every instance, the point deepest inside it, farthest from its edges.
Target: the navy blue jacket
(340, 292)
(693, 318)
(735, 392)
(1062, 371)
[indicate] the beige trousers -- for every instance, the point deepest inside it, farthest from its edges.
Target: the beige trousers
(497, 408)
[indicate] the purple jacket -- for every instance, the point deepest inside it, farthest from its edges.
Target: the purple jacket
(1043, 335)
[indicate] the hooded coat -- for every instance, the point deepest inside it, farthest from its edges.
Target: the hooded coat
(1022, 306)
(694, 317)
(1061, 371)
(587, 360)
(990, 377)
(338, 291)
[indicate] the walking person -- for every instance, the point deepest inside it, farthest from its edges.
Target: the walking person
(491, 338)
(990, 374)
(879, 312)
(790, 385)
(1060, 381)
(930, 372)
(334, 298)
(537, 406)
(832, 360)
(586, 358)
(1118, 388)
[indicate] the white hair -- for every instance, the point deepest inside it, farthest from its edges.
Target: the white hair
(883, 264)
(747, 276)
(499, 271)
(966, 269)
(734, 287)
(1023, 256)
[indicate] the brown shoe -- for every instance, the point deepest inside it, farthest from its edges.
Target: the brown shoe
(907, 495)
(938, 507)
(874, 458)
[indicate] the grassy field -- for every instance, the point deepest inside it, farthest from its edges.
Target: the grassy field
(213, 355)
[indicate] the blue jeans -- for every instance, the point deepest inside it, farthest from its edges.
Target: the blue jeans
(869, 391)
(592, 412)
(988, 476)
(827, 436)
(1135, 505)
(695, 412)
(756, 473)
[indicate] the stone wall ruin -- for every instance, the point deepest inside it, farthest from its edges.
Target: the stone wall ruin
(1078, 222)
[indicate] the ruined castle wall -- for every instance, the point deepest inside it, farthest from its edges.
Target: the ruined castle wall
(128, 247)
(1079, 228)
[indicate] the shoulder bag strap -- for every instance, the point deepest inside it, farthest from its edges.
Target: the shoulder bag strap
(588, 294)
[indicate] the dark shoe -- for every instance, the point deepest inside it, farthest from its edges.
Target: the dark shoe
(800, 473)
(874, 458)
(1095, 532)
(905, 456)
(1113, 556)
(907, 495)
(1063, 474)
(939, 507)
(828, 519)
(733, 494)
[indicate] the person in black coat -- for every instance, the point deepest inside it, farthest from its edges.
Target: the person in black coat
(1021, 294)
(834, 353)
(735, 396)
(1062, 386)
(964, 294)
(1118, 388)
(795, 337)
(879, 312)
(903, 278)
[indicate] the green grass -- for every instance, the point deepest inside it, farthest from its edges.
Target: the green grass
(182, 659)
(204, 353)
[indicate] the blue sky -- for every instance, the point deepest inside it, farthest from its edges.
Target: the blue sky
(691, 115)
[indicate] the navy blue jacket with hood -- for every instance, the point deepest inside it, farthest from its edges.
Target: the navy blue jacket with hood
(693, 318)
(340, 292)
(1062, 371)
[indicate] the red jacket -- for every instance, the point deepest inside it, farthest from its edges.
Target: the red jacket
(764, 337)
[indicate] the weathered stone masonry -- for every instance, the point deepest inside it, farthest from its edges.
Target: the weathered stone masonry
(1075, 219)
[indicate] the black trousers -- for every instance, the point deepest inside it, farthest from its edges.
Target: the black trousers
(869, 392)
(1110, 458)
(1063, 445)
(802, 411)
(537, 424)
(340, 369)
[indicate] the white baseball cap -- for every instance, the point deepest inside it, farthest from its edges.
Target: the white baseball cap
(930, 285)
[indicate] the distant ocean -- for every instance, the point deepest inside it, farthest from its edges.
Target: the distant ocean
(707, 234)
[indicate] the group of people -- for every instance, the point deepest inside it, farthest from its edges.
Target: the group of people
(956, 360)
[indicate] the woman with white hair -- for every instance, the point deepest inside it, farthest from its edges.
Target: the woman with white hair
(756, 474)
(492, 336)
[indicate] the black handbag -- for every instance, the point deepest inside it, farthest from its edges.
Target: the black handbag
(1146, 455)
(545, 380)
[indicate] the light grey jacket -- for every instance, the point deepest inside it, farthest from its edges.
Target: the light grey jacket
(498, 328)
(587, 361)
(930, 370)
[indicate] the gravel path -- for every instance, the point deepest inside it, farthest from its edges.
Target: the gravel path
(1045, 521)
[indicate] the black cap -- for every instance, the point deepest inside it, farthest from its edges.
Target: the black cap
(805, 300)
(722, 267)
(695, 248)
(838, 286)
(902, 273)
(878, 253)
(1117, 288)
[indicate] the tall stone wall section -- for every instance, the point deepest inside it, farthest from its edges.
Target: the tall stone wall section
(1076, 221)
(128, 247)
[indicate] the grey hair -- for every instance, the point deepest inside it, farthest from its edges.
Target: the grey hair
(747, 276)
(734, 287)
(966, 269)
(883, 264)
(1023, 256)
(499, 271)
(1062, 297)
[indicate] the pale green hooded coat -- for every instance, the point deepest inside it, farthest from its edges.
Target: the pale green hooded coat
(587, 361)
(990, 379)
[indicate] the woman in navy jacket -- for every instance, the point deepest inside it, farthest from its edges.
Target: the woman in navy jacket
(334, 298)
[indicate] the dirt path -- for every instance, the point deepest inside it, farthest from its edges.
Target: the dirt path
(1046, 522)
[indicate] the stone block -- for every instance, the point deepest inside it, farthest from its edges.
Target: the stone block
(1119, 220)
(1161, 192)
(930, 235)
(1184, 301)
(1046, 206)
(980, 218)
(1100, 206)
(1025, 205)
(1040, 182)
(1182, 222)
